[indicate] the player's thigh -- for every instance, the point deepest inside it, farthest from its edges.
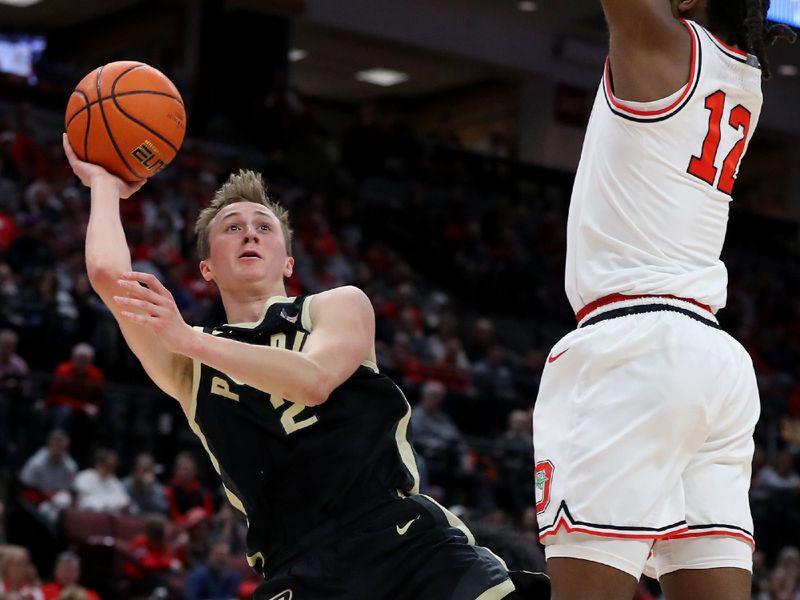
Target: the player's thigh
(317, 575)
(717, 480)
(576, 579)
(709, 584)
(617, 421)
(427, 554)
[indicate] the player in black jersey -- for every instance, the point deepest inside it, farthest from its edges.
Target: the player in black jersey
(310, 440)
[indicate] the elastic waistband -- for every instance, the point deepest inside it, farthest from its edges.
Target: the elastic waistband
(620, 305)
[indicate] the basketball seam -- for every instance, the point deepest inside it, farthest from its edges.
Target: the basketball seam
(132, 93)
(88, 125)
(110, 135)
(134, 119)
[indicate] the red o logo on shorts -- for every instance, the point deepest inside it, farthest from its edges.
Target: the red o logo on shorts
(543, 480)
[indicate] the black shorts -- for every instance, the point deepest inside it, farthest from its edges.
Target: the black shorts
(412, 550)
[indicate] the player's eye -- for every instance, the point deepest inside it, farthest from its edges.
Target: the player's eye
(232, 227)
(264, 227)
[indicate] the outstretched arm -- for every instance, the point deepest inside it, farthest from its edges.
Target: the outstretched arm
(650, 49)
(341, 339)
(107, 258)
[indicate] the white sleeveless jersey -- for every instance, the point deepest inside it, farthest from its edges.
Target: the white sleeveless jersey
(649, 208)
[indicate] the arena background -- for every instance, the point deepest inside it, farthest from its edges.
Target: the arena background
(441, 189)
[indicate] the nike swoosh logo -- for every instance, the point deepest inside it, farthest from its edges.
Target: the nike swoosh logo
(402, 530)
(552, 359)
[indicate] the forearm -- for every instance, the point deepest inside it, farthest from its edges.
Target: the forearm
(107, 254)
(294, 376)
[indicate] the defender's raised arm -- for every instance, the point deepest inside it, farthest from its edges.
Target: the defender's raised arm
(650, 49)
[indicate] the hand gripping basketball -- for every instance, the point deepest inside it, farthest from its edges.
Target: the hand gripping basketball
(89, 173)
(127, 117)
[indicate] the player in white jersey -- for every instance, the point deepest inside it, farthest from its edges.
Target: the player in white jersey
(643, 425)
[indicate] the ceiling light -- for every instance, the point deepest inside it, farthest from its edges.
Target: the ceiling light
(527, 5)
(787, 70)
(382, 77)
(20, 3)
(297, 54)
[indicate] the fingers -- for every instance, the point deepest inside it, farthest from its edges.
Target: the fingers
(144, 306)
(150, 280)
(138, 318)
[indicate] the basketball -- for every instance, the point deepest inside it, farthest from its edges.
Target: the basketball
(128, 118)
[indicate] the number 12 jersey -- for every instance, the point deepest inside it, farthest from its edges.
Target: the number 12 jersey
(649, 209)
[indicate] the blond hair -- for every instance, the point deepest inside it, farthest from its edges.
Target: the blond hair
(244, 186)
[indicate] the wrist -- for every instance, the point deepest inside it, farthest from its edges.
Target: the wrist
(192, 344)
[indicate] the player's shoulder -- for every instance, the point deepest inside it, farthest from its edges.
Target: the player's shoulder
(346, 296)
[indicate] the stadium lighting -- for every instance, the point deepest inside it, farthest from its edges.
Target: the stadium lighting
(527, 6)
(20, 3)
(382, 77)
(297, 54)
(787, 70)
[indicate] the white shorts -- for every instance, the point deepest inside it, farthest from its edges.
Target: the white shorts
(643, 429)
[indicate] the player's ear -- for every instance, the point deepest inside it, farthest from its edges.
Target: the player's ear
(289, 268)
(688, 8)
(206, 271)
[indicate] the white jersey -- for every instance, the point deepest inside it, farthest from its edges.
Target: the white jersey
(649, 208)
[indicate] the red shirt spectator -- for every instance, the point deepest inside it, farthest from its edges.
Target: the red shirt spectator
(150, 553)
(67, 573)
(184, 492)
(77, 383)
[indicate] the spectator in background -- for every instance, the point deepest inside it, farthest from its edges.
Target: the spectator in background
(18, 577)
(215, 579)
(784, 582)
(13, 379)
(154, 561)
(481, 339)
(185, 492)
(515, 456)
(779, 475)
(195, 544)
(437, 438)
(146, 494)
(229, 525)
(66, 575)
(74, 399)
(48, 475)
(98, 488)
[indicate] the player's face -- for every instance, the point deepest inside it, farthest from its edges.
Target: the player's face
(246, 245)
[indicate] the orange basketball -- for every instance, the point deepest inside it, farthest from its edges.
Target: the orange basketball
(127, 117)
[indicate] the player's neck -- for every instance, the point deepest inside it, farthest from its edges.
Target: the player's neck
(248, 306)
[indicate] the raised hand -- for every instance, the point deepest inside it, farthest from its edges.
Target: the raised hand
(90, 173)
(154, 307)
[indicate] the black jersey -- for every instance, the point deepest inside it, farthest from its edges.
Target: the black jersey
(295, 470)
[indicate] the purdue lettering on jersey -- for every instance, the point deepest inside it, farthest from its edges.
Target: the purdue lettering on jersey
(294, 469)
(649, 208)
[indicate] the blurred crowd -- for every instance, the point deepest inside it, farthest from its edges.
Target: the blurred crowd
(104, 490)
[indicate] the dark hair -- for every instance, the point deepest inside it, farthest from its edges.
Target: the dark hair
(744, 23)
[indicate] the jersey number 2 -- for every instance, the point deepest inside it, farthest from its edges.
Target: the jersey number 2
(703, 167)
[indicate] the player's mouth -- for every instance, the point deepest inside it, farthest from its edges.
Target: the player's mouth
(250, 254)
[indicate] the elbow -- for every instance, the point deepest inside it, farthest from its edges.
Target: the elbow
(317, 389)
(100, 275)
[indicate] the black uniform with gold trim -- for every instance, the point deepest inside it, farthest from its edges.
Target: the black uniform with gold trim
(330, 492)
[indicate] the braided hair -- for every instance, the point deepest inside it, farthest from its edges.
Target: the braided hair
(744, 22)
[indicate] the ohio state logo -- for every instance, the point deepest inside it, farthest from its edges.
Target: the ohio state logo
(543, 480)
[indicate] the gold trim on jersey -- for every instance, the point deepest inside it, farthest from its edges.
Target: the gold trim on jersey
(305, 316)
(404, 448)
(501, 590)
(270, 301)
(195, 427)
(370, 365)
(454, 521)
